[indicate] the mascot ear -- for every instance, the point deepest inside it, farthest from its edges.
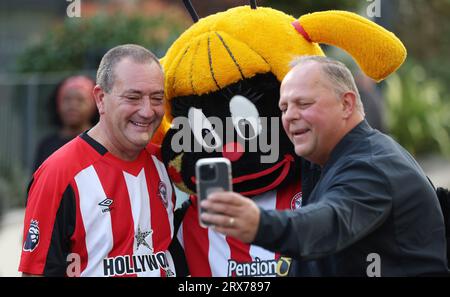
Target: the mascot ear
(377, 51)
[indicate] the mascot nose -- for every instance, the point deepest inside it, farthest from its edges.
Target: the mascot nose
(232, 151)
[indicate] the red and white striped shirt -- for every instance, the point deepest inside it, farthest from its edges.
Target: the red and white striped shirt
(92, 214)
(209, 253)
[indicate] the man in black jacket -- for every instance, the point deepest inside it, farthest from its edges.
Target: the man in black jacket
(372, 213)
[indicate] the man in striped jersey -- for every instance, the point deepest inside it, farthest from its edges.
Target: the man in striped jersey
(102, 205)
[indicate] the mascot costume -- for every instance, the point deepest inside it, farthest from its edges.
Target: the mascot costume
(229, 66)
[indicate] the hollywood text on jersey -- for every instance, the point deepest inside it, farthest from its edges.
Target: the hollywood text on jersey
(124, 265)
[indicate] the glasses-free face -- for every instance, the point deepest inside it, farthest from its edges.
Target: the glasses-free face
(311, 112)
(133, 110)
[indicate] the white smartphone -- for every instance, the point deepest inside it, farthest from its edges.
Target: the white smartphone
(211, 175)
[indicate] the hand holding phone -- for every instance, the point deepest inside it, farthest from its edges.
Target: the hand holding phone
(212, 175)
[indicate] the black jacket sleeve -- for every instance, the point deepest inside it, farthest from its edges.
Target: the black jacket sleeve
(344, 209)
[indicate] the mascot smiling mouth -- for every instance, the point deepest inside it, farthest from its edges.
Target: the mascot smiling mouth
(285, 164)
(245, 184)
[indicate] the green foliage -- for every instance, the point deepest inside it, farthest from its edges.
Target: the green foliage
(80, 42)
(418, 112)
(424, 28)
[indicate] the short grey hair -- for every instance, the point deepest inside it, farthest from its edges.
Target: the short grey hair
(105, 72)
(338, 75)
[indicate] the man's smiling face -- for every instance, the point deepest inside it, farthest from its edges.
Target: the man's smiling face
(134, 108)
(310, 112)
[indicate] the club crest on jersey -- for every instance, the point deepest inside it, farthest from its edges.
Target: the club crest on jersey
(163, 193)
(106, 203)
(297, 201)
(32, 239)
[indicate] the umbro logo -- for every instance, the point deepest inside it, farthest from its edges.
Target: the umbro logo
(107, 204)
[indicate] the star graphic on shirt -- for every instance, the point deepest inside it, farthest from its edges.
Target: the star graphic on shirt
(140, 238)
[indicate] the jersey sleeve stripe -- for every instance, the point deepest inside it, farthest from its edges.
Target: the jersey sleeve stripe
(63, 228)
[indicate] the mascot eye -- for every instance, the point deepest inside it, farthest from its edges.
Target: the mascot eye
(245, 128)
(205, 133)
(203, 130)
(245, 117)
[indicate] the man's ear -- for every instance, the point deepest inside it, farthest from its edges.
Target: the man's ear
(99, 96)
(348, 104)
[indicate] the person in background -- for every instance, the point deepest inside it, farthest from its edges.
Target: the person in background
(73, 110)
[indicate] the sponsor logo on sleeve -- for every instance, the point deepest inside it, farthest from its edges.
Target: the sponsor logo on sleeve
(32, 239)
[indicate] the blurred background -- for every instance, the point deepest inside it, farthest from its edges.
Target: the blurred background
(45, 41)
